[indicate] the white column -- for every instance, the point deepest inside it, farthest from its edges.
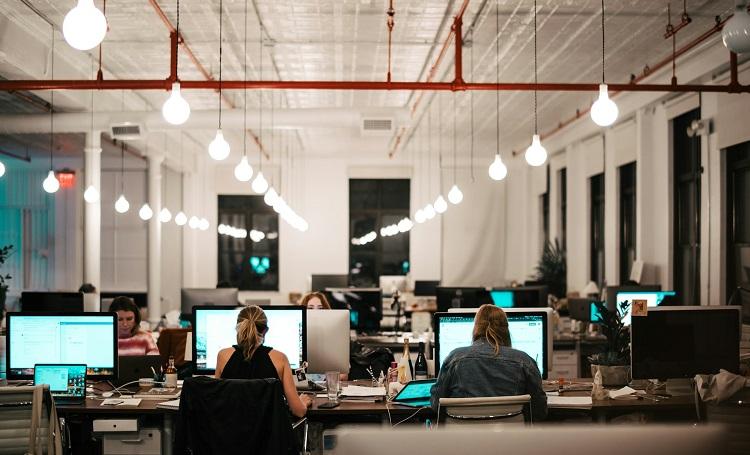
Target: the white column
(93, 211)
(154, 238)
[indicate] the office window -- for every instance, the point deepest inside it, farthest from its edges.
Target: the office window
(596, 243)
(687, 209)
(738, 218)
(544, 205)
(373, 204)
(562, 178)
(627, 220)
(243, 262)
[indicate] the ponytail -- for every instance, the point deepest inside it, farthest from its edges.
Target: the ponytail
(491, 324)
(252, 324)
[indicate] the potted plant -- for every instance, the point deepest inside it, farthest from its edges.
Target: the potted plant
(614, 362)
(4, 253)
(551, 269)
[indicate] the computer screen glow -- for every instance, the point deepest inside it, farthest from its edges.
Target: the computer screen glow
(63, 380)
(503, 299)
(652, 298)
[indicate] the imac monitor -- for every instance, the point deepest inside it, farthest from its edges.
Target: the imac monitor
(461, 297)
(365, 306)
(67, 383)
(580, 309)
(327, 341)
(426, 288)
(680, 342)
(62, 338)
(652, 298)
(503, 299)
(204, 297)
(319, 283)
(527, 296)
(529, 332)
(391, 283)
(55, 302)
(612, 291)
(214, 328)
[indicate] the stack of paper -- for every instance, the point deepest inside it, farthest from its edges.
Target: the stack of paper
(121, 402)
(361, 393)
(172, 404)
(569, 402)
(157, 393)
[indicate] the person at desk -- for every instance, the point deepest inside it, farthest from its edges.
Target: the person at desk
(131, 340)
(490, 366)
(249, 359)
(315, 301)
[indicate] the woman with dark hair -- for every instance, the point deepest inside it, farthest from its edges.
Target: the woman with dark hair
(315, 301)
(131, 340)
(249, 359)
(490, 367)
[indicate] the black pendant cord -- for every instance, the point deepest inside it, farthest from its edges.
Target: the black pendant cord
(177, 62)
(52, 102)
(455, 113)
(440, 146)
(603, 42)
(221, 51)
(536, 78)
(497, 79)
(260, 96)
(122, 167)
(471, 102)
(244, 94)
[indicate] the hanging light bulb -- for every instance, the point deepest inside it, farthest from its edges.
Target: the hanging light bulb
(91, 194)
(194, 222)
(2, 169)
(165, 216)
(736, 32)
(455, 196)
(604, 111)
(84, 26)
(175, 109)
(440, 205)
(419, 216)
(203, 224)
(218, 149)
(429, 211)
(145, 212)
(180, 219)
(259, 185)
(536, 154)
(243, 171)
(270, 197)
(51, 184)
(497, 169)
(121, 204)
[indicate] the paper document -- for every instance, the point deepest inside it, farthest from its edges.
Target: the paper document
(615, 394)
(361, 391)
(121, 402)
(569, 402)
(172, 404)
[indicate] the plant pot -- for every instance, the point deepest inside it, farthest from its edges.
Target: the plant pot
(618, 375)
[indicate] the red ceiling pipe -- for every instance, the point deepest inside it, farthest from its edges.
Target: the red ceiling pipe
(173, 40)
(458, 78)
(390, 23)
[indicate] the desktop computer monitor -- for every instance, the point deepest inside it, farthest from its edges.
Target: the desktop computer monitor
(680, 342)
(214, 328)
(204, 297)
(62, 338)
(580, 309)
(652, 298)
(327, 341)
(318, 283)
(52, 302)
(461, 297)
(610, 292)
(423, 288)
(390, 283)
(503, 299)
(530, 332)
(526, 296)
(365, 306)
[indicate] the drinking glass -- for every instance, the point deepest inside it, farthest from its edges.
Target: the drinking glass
(332, 385)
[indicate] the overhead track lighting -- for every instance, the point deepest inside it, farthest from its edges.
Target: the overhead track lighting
(84, 26)
(736, 32)
(536, 154)
(604, 111)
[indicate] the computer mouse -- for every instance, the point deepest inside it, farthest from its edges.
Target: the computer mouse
(107, 394)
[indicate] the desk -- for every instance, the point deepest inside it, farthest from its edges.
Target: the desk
(603, 410)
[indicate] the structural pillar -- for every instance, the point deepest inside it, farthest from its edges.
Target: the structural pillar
(92, 231)
(154, 238)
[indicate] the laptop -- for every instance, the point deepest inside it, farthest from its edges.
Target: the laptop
(134, 367)
(67, 382)
(415, 393)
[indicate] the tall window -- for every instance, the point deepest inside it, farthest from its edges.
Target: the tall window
(544, 204)
(596, 243)
(738, 218)
(245, 263)
(562, 178)
(627, 220)
(374, 204)
(687, 209)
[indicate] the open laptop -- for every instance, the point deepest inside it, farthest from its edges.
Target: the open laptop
(67, 382)
(134, 367)
(415, 393)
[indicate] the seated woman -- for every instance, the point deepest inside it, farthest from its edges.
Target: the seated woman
(249, 359)
(315, 301)
(490, 367)
(131, 340)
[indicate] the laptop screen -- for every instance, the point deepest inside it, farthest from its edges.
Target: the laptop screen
(416, 390)
(65, 381)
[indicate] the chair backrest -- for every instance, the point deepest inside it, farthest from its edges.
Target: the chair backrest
(484, 410)
(28, 421)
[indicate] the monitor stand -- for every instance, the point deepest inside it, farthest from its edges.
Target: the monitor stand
(680, 387)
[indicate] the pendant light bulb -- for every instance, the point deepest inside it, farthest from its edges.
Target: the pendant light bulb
(498, 170)
(2, 169)
(145, 212)
(218, 149)
(455, 196)
(270, 197)
(194, 222)
(419, 216)
(203, 224)
(736, 32)
(260, 184)
(91, 194)
(175, 109)
(165, 216)
(243, 171)
(121, 204)
(51, 184)
(84, 26)
(440, 205)
(604, 111)
(536, 154)
(429, 211)
(180, 219)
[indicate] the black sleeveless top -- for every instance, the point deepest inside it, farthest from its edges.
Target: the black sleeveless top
(259, 366)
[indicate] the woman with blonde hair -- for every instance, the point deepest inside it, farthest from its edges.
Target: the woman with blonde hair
(490, 367)
(249, 359)
(315, 301)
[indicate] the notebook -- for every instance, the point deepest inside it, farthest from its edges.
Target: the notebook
(415, 393)
(67, 382)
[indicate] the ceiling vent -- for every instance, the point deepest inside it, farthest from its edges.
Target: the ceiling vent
(127, 131)
(377, 126)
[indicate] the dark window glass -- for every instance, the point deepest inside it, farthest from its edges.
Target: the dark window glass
(374, 204)
(596, 245)
(687, 225)
(544, 202)
(563, 179)
(738, 219)
(244, 263)
(627, 220)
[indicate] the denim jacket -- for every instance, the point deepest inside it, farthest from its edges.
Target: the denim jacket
(476, 371)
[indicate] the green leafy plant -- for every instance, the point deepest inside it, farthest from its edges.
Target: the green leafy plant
(5, 252)
(551, 269)
(617, 350)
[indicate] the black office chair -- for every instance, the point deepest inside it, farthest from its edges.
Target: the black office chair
(235, 416)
